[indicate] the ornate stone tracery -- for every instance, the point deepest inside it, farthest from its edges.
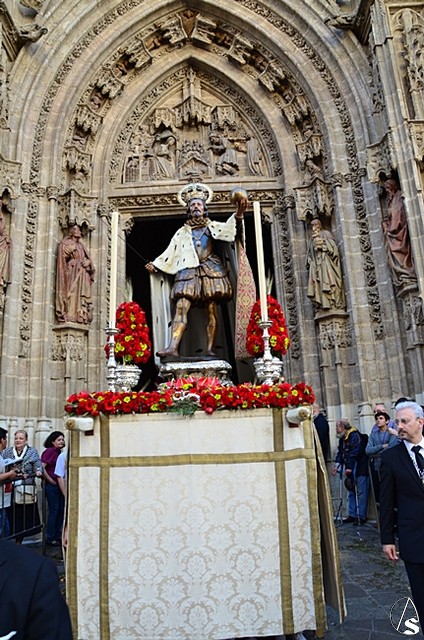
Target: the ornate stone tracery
(191, 94)
(408, 29)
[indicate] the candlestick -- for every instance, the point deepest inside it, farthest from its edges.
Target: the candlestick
(261, 261)
(113, 267)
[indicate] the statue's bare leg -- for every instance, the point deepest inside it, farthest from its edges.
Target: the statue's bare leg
(211, 329)
(179, 324)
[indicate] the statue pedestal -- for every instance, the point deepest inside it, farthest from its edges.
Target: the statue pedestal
(207, 527)
(199, 368)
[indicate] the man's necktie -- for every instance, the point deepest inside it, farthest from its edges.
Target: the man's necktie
(418, 457)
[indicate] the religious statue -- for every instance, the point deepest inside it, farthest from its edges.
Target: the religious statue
(74, 279)
(325, 286)
(395, 228)
(201, 279)
(161, 156)
(227, 161)
(5, 260)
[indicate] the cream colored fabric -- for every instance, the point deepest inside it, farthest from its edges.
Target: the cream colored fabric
(206, 527)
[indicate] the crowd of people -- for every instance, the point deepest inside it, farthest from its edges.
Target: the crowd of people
(22, 472)
(32, 606)
(388, 466)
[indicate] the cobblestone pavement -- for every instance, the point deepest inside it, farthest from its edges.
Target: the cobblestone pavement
(371, 585)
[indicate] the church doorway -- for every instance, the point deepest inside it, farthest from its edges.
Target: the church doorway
(150, 236)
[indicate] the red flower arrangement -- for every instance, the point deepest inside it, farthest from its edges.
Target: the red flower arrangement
(132, 343)
(279, 340)
(209, 394)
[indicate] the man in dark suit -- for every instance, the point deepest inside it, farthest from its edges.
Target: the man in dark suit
(402, 498)
(31, 604)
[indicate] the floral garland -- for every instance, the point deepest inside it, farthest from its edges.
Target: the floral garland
(279, 340)
(207, 394)
(132, 343)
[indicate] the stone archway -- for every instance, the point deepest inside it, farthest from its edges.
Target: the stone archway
(298, 99)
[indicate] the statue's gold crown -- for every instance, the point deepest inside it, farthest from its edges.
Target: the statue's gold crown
(194, 190)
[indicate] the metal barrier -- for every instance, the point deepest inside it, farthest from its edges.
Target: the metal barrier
(22, 509)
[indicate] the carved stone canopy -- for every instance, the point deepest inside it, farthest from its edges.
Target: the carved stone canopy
(193, 136)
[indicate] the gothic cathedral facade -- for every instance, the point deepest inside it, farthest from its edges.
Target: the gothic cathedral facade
(315, 107)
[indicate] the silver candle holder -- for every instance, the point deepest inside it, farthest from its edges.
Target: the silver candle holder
(111, 332)
(268, 368)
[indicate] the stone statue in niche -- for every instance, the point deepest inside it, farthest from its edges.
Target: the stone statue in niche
(254, 156)
(74, 279)
(227, 160)
(325, 285)
(5, 261)
(312, 171)
(132, 170)
(396, 233)
(161, 156)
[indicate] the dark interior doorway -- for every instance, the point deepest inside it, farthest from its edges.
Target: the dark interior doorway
(148, 238)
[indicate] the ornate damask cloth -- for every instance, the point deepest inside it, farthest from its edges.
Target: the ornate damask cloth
(246, 298)
(207, 527)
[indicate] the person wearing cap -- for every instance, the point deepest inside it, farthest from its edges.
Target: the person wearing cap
(201, 278)
(379, 406)
(378, 441)
(352, 462)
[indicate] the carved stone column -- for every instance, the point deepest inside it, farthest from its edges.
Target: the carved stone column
(335, 341)
(69, 359)
(413, 313)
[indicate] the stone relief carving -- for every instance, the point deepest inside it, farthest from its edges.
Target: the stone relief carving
(32, 32)
(192, 136)
(375, 85)
(417, 135)
(381, 158)
(408, 28)
(10, 177)
(223, 39)
(5, 261)
(67, 346)
(413, 313)
(9, 34)
(76, 209)
(32, 4)
(4, 92)
(155, 42)
(28, 278)
(335, 333)
(283, 209)
(314, 199)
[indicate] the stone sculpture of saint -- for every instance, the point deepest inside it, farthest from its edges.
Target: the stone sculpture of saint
(161, 156)
(325, 286)
(395, 228)
(74, 279)
(5, 260)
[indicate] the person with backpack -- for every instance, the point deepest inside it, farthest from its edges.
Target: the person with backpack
(352, 462)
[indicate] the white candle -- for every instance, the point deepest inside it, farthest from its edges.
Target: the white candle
(261, 261)
(113, 267)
